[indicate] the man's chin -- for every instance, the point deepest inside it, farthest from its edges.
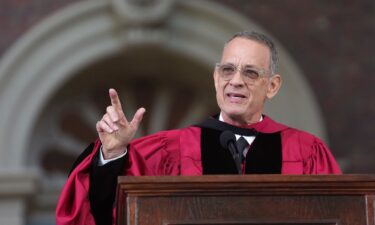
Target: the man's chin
(235, 114)
(235, 111)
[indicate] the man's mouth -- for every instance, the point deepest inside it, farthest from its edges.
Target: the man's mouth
(235, 96)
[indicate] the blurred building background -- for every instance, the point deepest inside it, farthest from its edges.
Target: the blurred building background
(59, 58)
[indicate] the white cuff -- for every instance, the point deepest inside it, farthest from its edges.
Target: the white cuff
(103, 161)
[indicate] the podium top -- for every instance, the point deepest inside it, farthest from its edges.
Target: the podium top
(254, 184)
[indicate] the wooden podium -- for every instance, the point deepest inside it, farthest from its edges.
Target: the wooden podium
(247, 200)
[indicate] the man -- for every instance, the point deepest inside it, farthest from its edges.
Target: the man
(244, 79)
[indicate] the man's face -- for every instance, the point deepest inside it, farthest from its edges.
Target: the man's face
(242, 102)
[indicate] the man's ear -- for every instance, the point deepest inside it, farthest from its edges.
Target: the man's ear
(274, 85)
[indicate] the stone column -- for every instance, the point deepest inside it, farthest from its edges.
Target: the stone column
(15, 189)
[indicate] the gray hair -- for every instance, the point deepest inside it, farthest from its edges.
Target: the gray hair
(263, 39)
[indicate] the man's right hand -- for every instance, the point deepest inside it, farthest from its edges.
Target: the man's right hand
(114, 130)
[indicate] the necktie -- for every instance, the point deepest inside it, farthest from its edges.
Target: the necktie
(241, 144)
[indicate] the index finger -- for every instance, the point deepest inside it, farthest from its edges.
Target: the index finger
(115, 100)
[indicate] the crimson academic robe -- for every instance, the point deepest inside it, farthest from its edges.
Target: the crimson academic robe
(194, 151)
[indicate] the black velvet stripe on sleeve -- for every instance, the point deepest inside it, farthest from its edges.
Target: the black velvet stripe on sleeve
(82, 156)
(102, 192)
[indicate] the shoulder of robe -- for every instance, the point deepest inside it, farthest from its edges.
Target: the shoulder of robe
(305, 141)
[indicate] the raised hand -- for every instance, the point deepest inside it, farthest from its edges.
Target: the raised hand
(114, 130)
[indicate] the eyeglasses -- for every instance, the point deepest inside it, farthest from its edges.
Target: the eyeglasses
(248, 73)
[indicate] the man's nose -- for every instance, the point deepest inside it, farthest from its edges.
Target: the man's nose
(237, 79)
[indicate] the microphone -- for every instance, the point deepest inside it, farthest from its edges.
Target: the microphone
(228, 141)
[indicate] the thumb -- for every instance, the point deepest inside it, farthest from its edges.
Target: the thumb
(137, 118)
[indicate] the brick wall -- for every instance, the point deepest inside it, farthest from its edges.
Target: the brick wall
(17, 16)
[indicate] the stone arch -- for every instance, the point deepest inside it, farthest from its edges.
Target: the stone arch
(77, 37)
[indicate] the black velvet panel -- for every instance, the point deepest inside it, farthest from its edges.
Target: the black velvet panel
(264, 155)
(215, 159)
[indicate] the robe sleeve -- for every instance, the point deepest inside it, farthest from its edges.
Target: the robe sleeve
(318, 159)
(73, 207)
(155, 155)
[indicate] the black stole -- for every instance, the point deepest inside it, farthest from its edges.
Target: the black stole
(263, 157)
